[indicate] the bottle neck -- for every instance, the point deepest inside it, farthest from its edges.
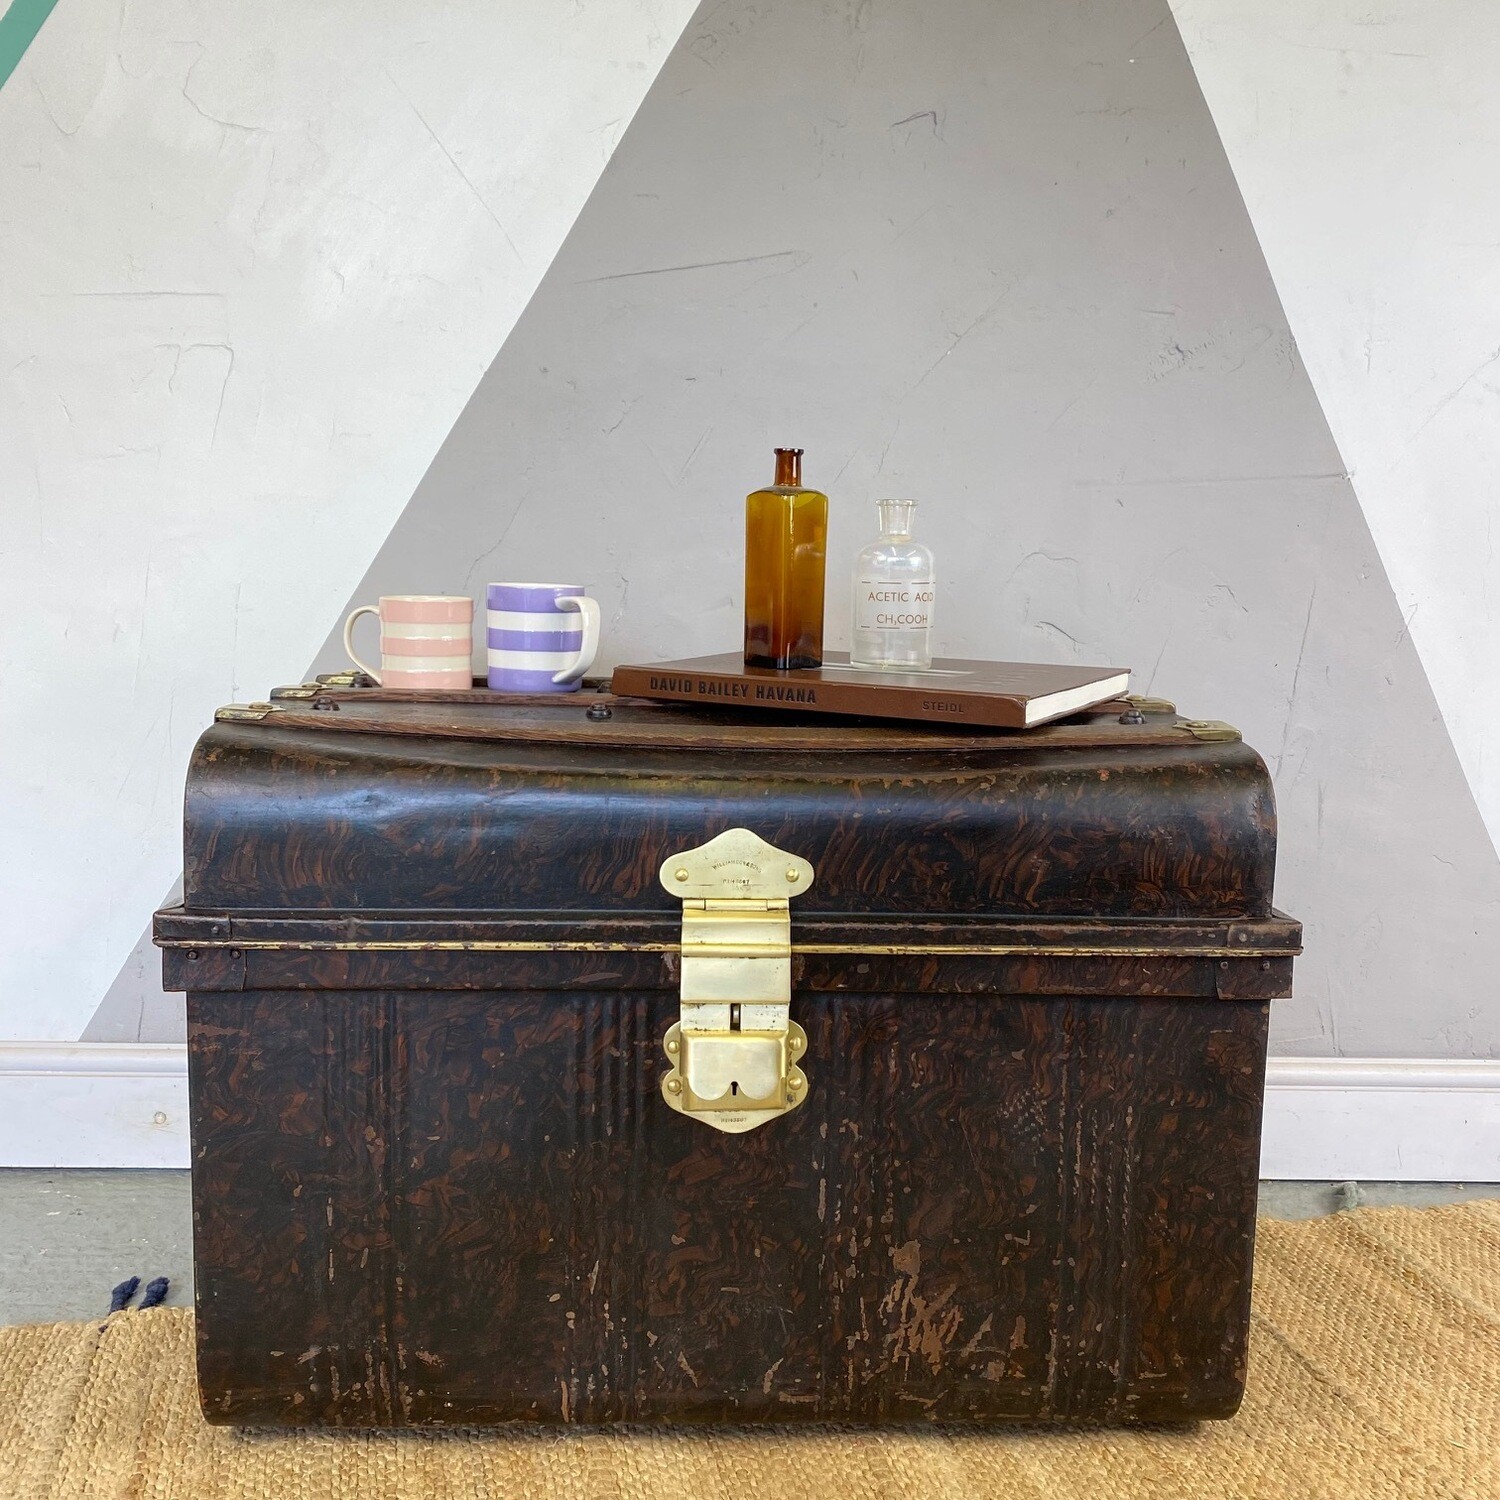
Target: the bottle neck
(896, 518)
(789, 468)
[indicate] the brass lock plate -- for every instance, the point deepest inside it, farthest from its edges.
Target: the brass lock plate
(741, 1073)
(734, 1050)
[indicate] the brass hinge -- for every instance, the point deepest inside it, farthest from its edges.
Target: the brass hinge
(1150, 705)
(302, 691)
(734, 1049)
(1209, 729)
(237, 713)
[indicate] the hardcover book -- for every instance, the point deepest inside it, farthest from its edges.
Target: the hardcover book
(1000, 694)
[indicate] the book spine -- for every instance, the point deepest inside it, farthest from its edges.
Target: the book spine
(934, 706)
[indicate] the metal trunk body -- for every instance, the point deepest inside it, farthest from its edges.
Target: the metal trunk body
(433, 952)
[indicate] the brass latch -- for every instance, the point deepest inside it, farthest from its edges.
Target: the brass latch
(734, 1050)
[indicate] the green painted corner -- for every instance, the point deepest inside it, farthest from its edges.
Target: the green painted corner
(20, 23)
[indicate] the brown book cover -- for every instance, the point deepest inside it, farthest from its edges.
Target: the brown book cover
(1001, 694)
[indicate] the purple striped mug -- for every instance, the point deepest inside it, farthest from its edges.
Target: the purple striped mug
(542, 636)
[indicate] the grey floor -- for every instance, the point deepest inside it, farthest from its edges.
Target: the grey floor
(67, 1238)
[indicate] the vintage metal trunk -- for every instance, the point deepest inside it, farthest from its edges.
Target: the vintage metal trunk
(958, 1123)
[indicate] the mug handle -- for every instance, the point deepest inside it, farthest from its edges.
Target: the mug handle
(589, 609)
(364, 609)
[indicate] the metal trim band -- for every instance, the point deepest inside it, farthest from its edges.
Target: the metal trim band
(890, 950)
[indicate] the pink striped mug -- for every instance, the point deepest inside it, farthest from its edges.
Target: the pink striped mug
(426, 640)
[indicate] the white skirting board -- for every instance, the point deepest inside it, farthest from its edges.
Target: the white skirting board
(93, 1104)
(106, 1104)
(1373, 1119)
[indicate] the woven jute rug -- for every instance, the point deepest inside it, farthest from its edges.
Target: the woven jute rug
(1375, 1372)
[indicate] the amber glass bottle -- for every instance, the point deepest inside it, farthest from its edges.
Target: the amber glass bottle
(786, 554)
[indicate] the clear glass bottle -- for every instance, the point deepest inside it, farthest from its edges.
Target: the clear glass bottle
(786, 553)
(893, 588)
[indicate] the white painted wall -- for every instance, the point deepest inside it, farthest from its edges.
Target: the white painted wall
(253, 260)
(1365, 137)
